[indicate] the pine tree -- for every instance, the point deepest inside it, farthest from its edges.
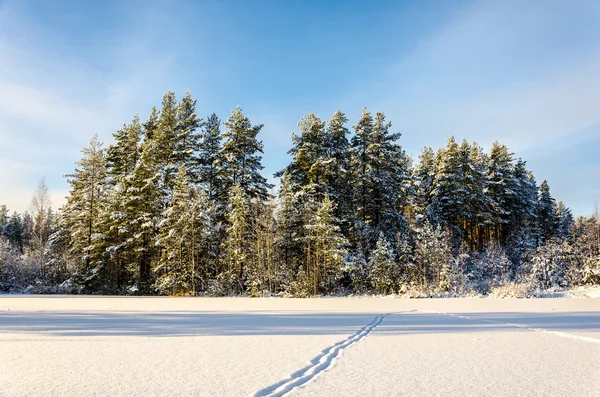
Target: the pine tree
(384, 269)
(564, 220)
(209, 158)
(187, 140)
(165, 138)
(481, 204)
(432, 256)
(448, 199)
(337, 169)
(382, 182)
(500, 187)
(546, 212)
(290, 230)
(122, 156)
(325, 247)
(424, 177)
(14, 231)
(241, 157)
(142, 206)
(237, 243)
(81, 214)
(183, 233)
(360, 180)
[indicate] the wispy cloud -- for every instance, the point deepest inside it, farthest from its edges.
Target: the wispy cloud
(52, 101)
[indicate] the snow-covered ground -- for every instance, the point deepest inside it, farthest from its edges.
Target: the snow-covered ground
(125, 346)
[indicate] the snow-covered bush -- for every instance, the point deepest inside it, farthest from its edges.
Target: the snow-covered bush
(553, 264)
(591, 270)
(511, 289)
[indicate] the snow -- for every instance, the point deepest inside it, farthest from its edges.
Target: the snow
(129, 346)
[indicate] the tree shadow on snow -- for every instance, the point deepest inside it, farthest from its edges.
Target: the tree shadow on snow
(294, 323)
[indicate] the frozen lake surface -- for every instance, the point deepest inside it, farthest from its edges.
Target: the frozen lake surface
(125, 346)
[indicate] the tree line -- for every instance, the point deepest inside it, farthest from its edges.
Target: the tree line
(178, 204)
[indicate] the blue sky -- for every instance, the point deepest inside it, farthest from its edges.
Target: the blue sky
(526, 73)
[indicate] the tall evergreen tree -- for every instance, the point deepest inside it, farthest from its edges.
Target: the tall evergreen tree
(183, 233)
(237, 245)
(123, 154)
(142, 206)
(564, 220)
(187, 139)
(81, 214)
(449, 199)
(383, 179)
(241, 157)
(325, 248)
(546, 212)
(337, 169)
(209, 158)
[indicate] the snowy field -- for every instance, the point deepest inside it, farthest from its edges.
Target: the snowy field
(107, 346)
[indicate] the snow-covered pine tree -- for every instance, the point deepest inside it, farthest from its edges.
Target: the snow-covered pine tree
(209, 158)
(307, 169)
(290, 231)
(552, 264)
(382, 182)
(82, 212)
(14, 231)
(241, 157)
(500, 173)
(448, 199)
(325, 248)
(522, 204)
(564, 220)
(423, 177)
(237, 245)
(546, 213)
(262, 264)
(123, 154)
(183, 233)
(384, 269)
(478, 215)
(142, 206)
(187, 139)
(361, 232)
(432, 256)
(165, 141)
(338, 169)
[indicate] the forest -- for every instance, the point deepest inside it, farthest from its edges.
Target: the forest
(178, 205)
